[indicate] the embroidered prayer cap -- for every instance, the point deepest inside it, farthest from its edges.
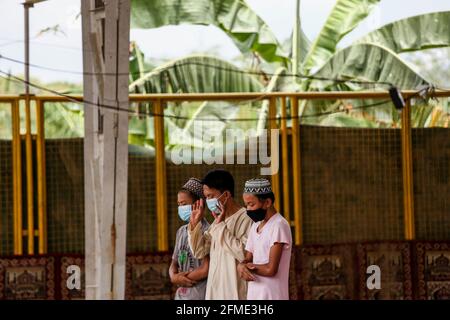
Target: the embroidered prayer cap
(257, 186)
(194, 186)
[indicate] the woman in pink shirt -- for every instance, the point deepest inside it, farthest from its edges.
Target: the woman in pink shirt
(268, 248)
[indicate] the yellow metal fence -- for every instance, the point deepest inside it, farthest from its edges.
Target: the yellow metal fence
(28, 143)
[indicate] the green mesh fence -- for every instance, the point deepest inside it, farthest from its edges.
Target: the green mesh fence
(351, 176)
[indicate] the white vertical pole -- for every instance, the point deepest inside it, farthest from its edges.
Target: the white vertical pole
(105, 50)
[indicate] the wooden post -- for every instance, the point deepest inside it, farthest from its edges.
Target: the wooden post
(90, 112)
(106, 28)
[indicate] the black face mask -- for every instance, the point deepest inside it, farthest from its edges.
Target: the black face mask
(257, 215)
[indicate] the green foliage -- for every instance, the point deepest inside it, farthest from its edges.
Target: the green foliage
(247, 30)
(379, 56)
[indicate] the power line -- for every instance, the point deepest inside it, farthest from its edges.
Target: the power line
(257, 73)
(218, 119)
(201, 64)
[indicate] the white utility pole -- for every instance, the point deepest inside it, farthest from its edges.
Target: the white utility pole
(106, 30)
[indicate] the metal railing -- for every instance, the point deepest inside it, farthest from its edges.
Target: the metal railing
(291, 159)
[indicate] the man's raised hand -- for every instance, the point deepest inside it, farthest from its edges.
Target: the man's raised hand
(197, 213)
(219, 217)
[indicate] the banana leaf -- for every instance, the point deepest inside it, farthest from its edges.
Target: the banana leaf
(247, 30)
(196, 74)
(368, 62)
(431, 30)
(344, 17)
(193, 74)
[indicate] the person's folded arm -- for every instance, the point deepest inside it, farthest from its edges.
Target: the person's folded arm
(248, 257)
(201, 272)
(179, 278)
(269, 269)
(242, 269)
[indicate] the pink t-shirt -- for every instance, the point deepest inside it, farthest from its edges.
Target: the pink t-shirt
(277, 229)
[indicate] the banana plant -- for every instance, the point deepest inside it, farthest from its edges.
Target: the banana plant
(375, 57)
(372, 59)
(234, 17)
(192, 74)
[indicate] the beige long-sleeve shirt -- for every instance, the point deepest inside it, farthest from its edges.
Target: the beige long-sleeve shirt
(225, 244)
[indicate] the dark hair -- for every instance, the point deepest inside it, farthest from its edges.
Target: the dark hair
(262, 197)
(219, 179)
(190, 193)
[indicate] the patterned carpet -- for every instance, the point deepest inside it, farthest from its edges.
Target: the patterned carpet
(409, 270)
(433, 270)
(325, 272)
(27, 278)
(394, 260)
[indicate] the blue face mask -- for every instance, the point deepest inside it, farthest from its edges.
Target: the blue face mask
(213, 204)
(185, 212)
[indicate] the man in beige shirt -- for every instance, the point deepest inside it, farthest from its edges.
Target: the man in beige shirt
(224, 240)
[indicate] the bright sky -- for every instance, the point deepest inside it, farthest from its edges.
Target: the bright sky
(63, 51)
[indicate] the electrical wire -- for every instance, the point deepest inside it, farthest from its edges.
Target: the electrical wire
(175, 65)
(218, 119)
